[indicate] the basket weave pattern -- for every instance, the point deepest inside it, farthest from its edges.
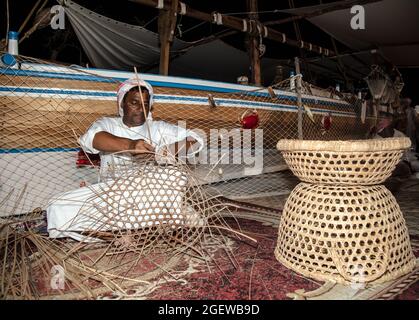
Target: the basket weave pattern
(355, 168)
(344, 232)
(343, 162)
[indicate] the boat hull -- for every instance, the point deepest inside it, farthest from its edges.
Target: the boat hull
(45, 108)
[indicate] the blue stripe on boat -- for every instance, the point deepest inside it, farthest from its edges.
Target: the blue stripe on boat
(14, 150)
(58, 75)
(157, 96)
(56, 91)
(246, 102)
(178, 85)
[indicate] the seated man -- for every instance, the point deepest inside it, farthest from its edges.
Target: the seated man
(131, 131)
(116, 139)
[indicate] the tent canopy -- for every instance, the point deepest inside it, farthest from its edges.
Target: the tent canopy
(391, 26)
(111, 44)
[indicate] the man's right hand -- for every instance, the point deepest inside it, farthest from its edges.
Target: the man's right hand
(140, 147)
(107, 142)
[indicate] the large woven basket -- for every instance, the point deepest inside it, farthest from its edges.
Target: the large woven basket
(360, 162)
(344, 234)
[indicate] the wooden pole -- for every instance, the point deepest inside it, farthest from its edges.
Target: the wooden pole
(166, 25)
(242, 24)
(164, 57)
(299, 98)
(22, 26)
(253, 47)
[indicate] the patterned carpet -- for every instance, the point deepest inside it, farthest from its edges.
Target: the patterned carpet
(254, 273)
(240, 269)
(251, 273)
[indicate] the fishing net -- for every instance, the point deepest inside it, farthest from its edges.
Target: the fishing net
(146, 209)
(45, 108)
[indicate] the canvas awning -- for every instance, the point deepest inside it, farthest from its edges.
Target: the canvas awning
(111, 44)
(392, 27)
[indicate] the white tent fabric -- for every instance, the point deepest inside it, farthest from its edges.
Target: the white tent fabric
(112, 44)
(392, 26)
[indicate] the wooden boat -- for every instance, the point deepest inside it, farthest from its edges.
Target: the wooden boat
(45, 107)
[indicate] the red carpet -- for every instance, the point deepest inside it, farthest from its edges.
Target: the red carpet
(259, 275)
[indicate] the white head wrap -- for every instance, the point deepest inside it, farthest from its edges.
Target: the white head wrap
(126, 86)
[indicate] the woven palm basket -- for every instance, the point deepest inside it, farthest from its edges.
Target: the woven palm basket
(360, 162)
(344, 234)
(341, 226)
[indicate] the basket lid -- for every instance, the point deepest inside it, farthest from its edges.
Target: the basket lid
(371, 145)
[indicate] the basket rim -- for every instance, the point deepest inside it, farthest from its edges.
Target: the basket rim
(371, 145)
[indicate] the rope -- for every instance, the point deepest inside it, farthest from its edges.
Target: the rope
(28, 16)
(194, 27)
(244, 25)
(160, 4)
(182, 8)
(251, 12)
(33, 29)
(284, 38)
(151, 20)
(217, 18)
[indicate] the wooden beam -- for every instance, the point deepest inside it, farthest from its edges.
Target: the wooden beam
(242, 24)
(22, 26)
(253, 46)
(166, 26)
(164, 41)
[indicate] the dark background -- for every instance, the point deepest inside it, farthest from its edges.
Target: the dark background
(63, 46)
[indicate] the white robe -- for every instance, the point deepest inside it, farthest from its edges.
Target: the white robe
(83, 209)
(162, 134)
